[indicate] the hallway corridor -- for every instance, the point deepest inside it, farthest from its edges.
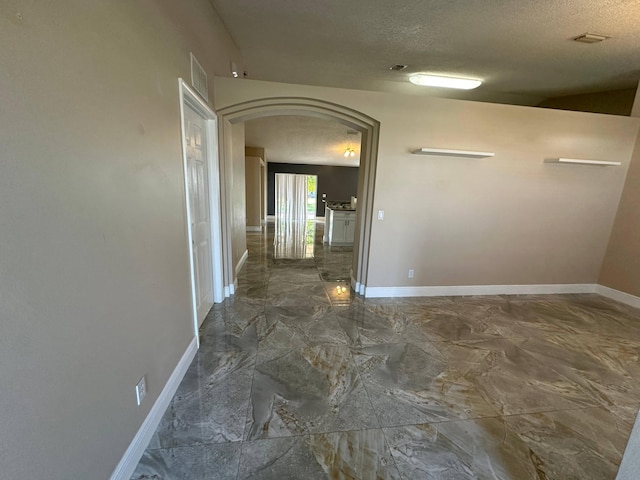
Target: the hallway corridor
(298, 378)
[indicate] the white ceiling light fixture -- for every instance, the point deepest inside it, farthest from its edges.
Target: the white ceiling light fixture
(349, 151)
(429, 80)
(234, 70)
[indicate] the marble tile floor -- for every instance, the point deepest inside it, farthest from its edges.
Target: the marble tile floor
(298, 379)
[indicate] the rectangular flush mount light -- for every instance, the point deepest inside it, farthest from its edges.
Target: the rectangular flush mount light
(428, 80)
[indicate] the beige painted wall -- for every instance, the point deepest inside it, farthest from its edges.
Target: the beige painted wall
(238, 196)
(94, 279)
(621, 267)
(511, 219)
(253, 190)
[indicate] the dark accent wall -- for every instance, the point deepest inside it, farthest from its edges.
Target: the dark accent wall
(613, 102)
(339, 183)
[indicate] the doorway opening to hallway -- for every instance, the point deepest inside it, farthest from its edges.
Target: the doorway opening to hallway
(295, 214)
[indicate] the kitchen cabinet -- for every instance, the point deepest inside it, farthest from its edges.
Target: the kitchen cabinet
(340, 227)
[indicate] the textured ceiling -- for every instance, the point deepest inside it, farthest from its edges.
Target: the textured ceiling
(307, 140)
(520, 48)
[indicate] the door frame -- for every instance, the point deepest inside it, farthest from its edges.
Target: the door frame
(189, 98)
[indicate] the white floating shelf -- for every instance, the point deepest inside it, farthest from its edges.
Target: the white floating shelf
(579, 161)
(452, 153)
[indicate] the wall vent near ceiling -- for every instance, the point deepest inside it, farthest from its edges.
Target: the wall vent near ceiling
(396, 67)
(199, 78)
(590, 38)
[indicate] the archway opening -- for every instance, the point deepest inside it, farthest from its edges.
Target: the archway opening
(368, 127)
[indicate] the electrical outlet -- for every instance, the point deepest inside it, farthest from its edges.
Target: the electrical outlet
(141, 389)
(410, 273)
(380, 214)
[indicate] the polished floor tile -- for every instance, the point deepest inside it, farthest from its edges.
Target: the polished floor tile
(211, 403)
(224, 331)
(202, 462)
(375, 324)
(584, 444)
(291, 327)
(297, 377)
(309, 390)
(466, 449)
(294, 294)
(514, 381)
(414, 384)
(357, 454)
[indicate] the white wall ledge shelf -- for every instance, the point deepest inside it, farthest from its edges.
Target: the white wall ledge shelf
(452, 153)
(579, 161)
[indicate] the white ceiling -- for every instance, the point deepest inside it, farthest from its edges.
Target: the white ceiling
(520, 48)
(306, 140)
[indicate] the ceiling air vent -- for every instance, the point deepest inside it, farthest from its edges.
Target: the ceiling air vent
(199, 78)
(590, 38)
(397, 67)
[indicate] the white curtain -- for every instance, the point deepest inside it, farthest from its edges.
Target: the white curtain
(291, 216)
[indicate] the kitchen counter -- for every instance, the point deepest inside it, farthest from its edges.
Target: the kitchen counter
(340, 226)
(340, 206)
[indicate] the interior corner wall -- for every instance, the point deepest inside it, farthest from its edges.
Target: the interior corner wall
(339, 183)
(94, 264)
(253, 191)
(507, 220)
(259, 152)
(238, 195)
(621, 266)
(255, 152)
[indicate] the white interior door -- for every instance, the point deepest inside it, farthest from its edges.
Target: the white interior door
(199, 213)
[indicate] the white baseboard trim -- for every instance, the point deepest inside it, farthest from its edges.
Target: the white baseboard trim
(242, 261)
(227, 291)
(138, 445)
(618, 295)
(355, 285)
(233, 287)
(463, 290)
(254, 229)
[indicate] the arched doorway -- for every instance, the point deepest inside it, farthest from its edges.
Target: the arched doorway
(367, 126)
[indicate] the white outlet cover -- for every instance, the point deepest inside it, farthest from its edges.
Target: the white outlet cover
(380, 214)
(411, 273)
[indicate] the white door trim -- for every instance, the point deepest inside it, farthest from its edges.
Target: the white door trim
(188, 97)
